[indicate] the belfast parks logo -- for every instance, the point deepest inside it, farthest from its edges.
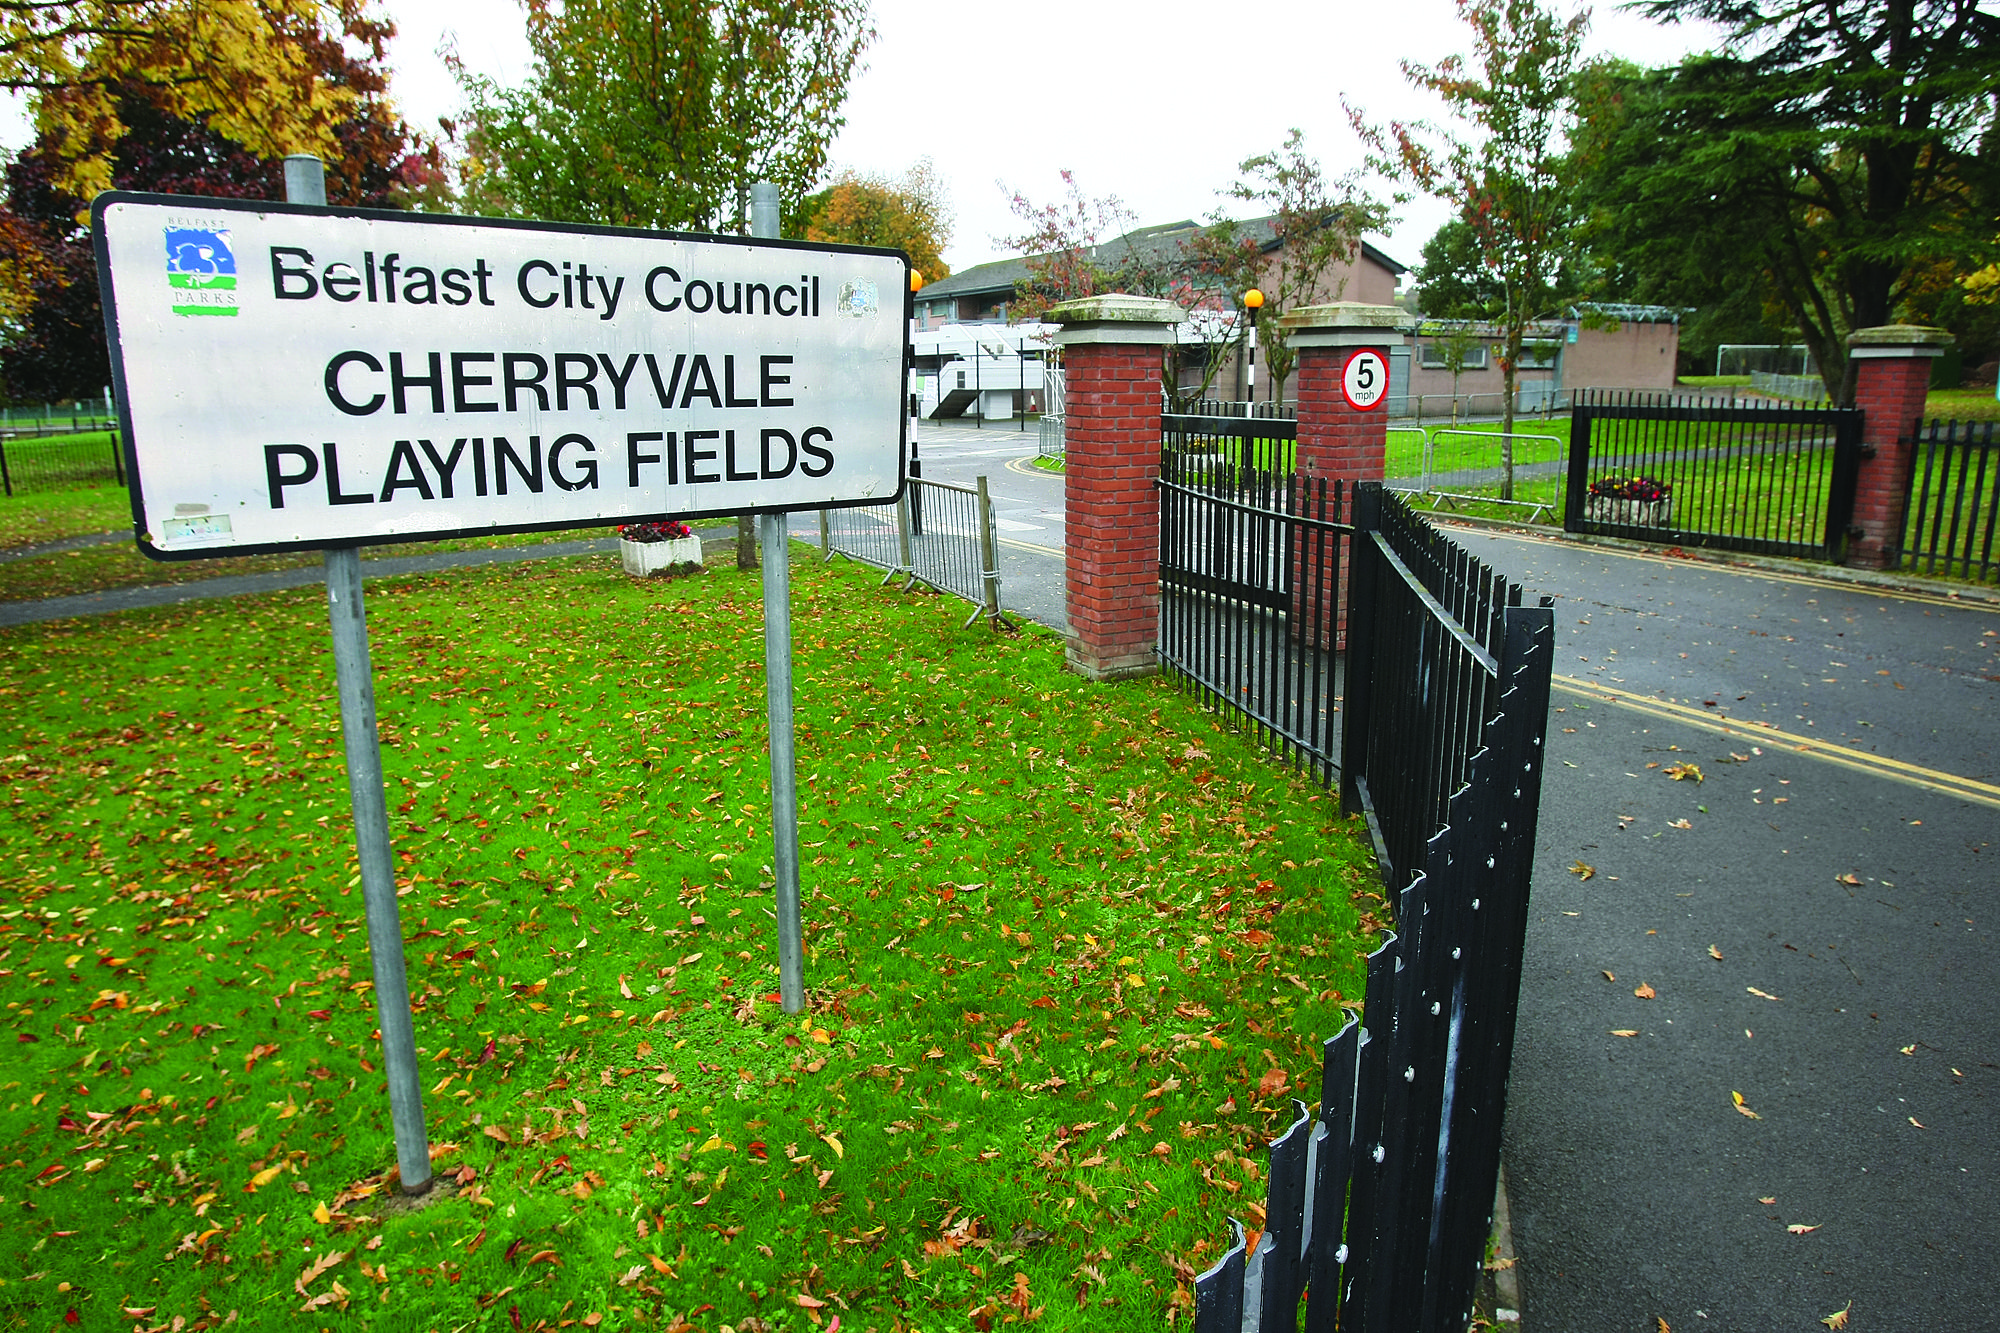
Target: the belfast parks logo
(201, 270)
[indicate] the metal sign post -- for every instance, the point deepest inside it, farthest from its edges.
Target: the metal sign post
(776, 553)
(305, 183)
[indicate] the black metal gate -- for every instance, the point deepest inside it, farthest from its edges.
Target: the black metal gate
(1250, 569)
(1770, 479)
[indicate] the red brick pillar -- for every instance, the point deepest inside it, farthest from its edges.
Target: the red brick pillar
(1112, 349)
(1343, 398)
(1892, 378)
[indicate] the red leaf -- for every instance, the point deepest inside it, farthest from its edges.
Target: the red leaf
(70, 1317)
(1042, 1002)
(28, 1036)
(321, 1014)
(460, 956)
(758, 1151)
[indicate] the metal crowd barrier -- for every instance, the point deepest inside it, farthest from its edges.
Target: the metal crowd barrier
(944, 540)
(1455, 464)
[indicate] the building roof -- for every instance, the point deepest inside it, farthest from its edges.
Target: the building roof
(1156, 242)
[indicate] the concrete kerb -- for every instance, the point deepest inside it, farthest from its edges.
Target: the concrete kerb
(1885, 580)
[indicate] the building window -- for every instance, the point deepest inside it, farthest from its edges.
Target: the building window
(1431, 357)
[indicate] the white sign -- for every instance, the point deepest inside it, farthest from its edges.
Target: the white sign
(1364, 380)
(296, 377)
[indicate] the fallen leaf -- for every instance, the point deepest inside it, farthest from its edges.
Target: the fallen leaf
(1682, 772)
(1911, 1049)
(1273, 1082)
(1838, 1319)
(1624, 1032)
(1663, 1326)
(1608, 976)
(1772, 1199)
(1760, 994)
(321, 1215)
(1581, 871)
(1737, 1098)
(1918, 1123)
(1851, 880)
(1800, 1228)
(1715, 953)
(833, 1142)
(496, 1133)
(1645, 992)
(266, 1176)
(317, 1267)
(809, 1302)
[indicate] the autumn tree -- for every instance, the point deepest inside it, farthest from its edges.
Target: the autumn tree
(253, 71)
(1506, 168)
(908, 213)
(1838, 163)
(54, 345)
(660, 113)
(1317, 223)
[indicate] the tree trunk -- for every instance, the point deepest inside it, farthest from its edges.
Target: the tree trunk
(1508, 370)
(746, 542)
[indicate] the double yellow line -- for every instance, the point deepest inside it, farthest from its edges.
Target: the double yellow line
(1860, 761)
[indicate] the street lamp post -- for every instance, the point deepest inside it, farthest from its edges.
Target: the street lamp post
(1253, 301)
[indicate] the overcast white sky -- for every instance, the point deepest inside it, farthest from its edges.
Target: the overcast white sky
(1153, 103)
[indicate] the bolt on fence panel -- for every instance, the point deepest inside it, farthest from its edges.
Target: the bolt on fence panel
(1952, 507)
(950, 548)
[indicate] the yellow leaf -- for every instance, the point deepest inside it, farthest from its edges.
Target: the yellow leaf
(266, 1176)
(1737, 1098)
(1715, 953)
(833, 1142)
(1645, 992)
(1762, 995)
(1608, 976)
(321, 1215)
(714, 1142)
(1800, 1228)
(1838, 1319)
(822, 1036)
(1663, 1326)
(1767, 1199)
(1624, 1032)
(1581, 871)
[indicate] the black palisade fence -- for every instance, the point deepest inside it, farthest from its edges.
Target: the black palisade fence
(1380, 1203)
(1953, 503)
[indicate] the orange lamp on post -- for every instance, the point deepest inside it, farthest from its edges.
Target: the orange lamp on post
(1253, 301)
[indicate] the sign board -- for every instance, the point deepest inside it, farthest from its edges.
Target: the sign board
(298, 377)
(1364, 380)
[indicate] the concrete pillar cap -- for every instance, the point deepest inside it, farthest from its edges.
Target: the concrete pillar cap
(1347, 324)
(1897, 342)
(1116, 317)
(1908, 336)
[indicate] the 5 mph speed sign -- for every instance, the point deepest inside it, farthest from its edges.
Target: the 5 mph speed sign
(1365, 380)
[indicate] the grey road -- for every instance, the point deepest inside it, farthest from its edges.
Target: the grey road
(1809, 926)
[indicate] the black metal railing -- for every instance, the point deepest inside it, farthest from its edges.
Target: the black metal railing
(1256, 443)
(1736, 476)
(1250, 572)
(1953, 504)
(1379, 1204)
(56, 456)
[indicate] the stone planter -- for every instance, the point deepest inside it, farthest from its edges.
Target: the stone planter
(1629, 513)
(643, 558)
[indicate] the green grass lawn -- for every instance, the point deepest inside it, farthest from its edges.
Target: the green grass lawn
(1070, 946)
(1961, 405)
(44, 516)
